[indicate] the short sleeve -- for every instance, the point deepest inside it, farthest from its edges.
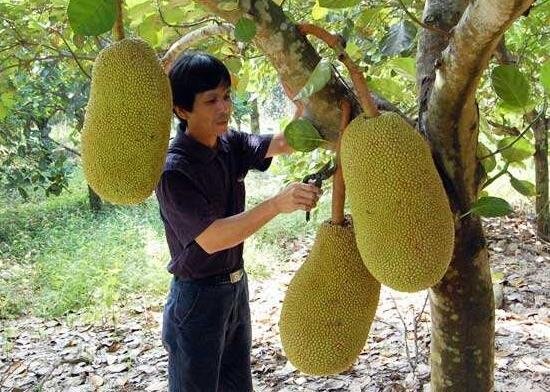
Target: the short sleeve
(183, 206)
(254, 149)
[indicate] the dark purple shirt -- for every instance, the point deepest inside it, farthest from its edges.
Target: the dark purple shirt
(200, 184)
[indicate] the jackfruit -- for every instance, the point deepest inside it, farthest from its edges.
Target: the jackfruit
(127, 123)
(329, 305)
(403, 223)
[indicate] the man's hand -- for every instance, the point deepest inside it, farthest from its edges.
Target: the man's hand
(296, 196)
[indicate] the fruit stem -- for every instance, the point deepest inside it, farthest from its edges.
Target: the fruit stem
(338, 186)
(118, 28)
(337, 43)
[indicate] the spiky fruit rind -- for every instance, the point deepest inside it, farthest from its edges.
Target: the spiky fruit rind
(403, 222)
(127, 123)
(329, 305)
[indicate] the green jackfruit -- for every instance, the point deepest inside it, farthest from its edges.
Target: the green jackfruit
(329, 305)
(127, 123)
(403, 223)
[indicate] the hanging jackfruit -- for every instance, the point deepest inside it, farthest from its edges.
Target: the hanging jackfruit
(329, 305)
(127, 123)
(403, 223)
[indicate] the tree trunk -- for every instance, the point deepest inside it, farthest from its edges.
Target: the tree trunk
(540, 129)
(463, 322)
(254, 117)
(94, 200)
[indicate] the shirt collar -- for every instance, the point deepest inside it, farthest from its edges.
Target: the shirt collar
(183, 143)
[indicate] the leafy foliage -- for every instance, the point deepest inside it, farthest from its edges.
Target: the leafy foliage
(379, 35)
(30, 158)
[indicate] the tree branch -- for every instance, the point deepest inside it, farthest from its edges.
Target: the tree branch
(191, 39)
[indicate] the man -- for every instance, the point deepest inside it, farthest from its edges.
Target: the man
(201, 194)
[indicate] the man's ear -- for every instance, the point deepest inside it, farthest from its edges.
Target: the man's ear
(181, 112)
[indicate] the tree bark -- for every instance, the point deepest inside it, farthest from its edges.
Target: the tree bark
(254, 117)
(540, 129)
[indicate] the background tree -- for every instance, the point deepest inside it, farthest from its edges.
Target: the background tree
(44, 82)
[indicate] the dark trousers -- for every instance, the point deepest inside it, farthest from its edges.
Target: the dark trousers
(207, 333)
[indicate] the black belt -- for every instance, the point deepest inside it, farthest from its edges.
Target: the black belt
(232, 277)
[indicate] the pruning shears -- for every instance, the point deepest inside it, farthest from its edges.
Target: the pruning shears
(317, 178)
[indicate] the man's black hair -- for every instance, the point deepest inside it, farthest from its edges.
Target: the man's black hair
(193, 73)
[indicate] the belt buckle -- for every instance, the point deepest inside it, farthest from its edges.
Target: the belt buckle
(234, 277)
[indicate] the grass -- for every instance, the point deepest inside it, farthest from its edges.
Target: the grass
(57, 257)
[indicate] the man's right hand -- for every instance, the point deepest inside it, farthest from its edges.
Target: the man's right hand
(297, 196)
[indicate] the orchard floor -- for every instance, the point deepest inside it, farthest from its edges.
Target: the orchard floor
(70, 355)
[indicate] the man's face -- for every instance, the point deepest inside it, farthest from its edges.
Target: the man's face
(211, 112)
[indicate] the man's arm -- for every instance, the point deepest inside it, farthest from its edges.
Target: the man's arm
(228, 232)
(278, 146)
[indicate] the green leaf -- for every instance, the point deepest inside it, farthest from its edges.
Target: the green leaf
(488, 163)
(405, 66)
(138, 11)
(91, 17)
(245, 29)
(491, 206)
(338, 3)
(545, 76)
(399, 38)
(520, 150)
(150, 29)
(353, 51)
(234, 64)
(504, 107)
(387, 87)
(318, 12)
(302, 135)
(510, 85)
(317, 80)
(524, 187)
